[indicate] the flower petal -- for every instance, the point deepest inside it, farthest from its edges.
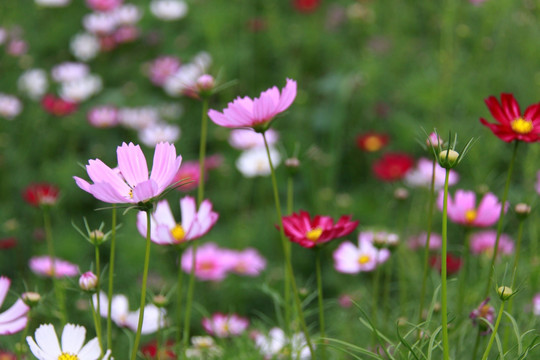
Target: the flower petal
(132, 164)
(90, 351)
(145, 191)
(15, 311)
(48, 342)
(73, 337)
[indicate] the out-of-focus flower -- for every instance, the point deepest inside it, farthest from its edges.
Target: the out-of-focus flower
(154, 317)
(166, 231)
(58, 106)
(41, 194)
(168, 10)
(483, 311)
(103, 5)
(3, 35)
(453, 263)
(392, 166)
(69, 71)
(132, 184)
(100, 23)
(8, 243)
(538, 183)
(31, 298)
(138, 118)
(203, 347)
(103, 116)
(81, 89)
(189, 172)
(15, 318)
(352, 259)
(372, 141)
(184, 80)
(247, 262)
(276, 344)
(536, 304)
(421, 175)
(307, 232)
(306, 6)
(205, 84)
(52, 3)
(511, 124)
(33, 83)
(254, 162)
(419, 241)
(462, 208)
(47, 347)
(10, 106)
(6, 355)
(88, 281)
(126, 34)
(166, 351)
(245, 139)
(477, 2)
(225, 325)
(127, 14)
(159, 132)
(162, 68)
(256, 113)
(42, 265)
(211, 262)
(483, 242)
(84, 46)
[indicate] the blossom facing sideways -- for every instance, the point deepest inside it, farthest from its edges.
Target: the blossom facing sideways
(47, 347)
(462, 208)
(132, 185)
(211, 262)
(41, 194)
(483, 311)
(247, 262)
(307, 232)
(15, 318)
(392, 166)
(511, 125)
(483, 242)
(42, 265)
(225, 325)
(256, 113)
(166, 231)
(421, 175)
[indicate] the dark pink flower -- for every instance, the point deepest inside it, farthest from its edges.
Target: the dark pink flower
(39, 194)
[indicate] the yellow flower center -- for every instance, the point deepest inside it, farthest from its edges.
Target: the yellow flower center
(521, 126)
(314, 234)
(363, 259)
(131, 193)
(373, 143)
(470, 215)
(178, 233)
(66, 356)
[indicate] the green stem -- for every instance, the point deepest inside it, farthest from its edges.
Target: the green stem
(287, 283)
(495, 328)
(143, 291)
(98, 310)
(320, 297)
(21, 349)
(111, 278)
(287, 253)
(375, 300)
(386, 290)
(501, 217)
(97, 322)
(464, 273)
(179, 302)
(444, 304)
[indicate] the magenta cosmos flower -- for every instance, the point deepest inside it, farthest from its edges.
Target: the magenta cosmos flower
(256, 113)
(42, 265)
(13, 319)
(483, 242)
(211, 262)
(131, 183)
(307, 232)
(166, 231)
(223, 325)
(462, 208)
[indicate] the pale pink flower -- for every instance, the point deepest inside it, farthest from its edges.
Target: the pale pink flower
(168, 10)
(421, 175)
(483, 242)
(10, 106)
(127, 14)
(462, 208)
(162, 68)
(225, 325)
(88, 281)
(133, 185)
(246, 262)
(419, 241)
(126, 34)
(254, 162)
(189, 172)
(153, 319)
(166, 231)
(536, 304)
(103, 5)
(477, 2)
(159, 132)
(100, 23)
(15, 318)
(244, 139)
(69, 71)
(42, 265)
(211, 262)
(17, 47)
(103, 116)
(352, 259)
(138, 118)
(84, 46)
(256, 113)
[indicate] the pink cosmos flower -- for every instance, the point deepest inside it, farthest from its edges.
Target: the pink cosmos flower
(462, 208)
(103, 5)
(162, 68)
(536, 304)
(243, 139)
(103, 116)
(15, 318)
(421, 175)
(211, 262)
(189, 172)
(307, 232)
(483, 242)
(483, 311)
(225, 325)
(132, 185)
(247, 262)
(42, 265)
(352, 259)
(166, 231)
(256, 113)
(419, 241)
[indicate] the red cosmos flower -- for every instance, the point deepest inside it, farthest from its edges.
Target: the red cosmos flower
(150, 350)
(513, 126)
(7, 243)
(307, 232)
(371, 141)
(306, 6)
(453, 263)
(392, 166)
(38, 194)
(58, 106)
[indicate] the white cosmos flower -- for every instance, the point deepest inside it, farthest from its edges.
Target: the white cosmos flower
(33, 83)
(155, 133)
(81, 89)
(168, 9)
(69, 71)
(53, 3)
(10, 106)
(84, 46)
(47, 347)
(254, 162)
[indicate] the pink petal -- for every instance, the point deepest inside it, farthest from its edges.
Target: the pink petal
(189, 212)
(288, 94)
(101, 173)
(4, 288)
(13, 326)
(165, 165)
(15, 311)
(132, 164)
(106, 193)
(145, 191)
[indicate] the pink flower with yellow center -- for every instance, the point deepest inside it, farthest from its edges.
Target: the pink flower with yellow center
(211, 262)
(462, 208)
(133, 184)
(165, 230)
(307, 232)
(42, 265)
(352, 259)
(225, 325)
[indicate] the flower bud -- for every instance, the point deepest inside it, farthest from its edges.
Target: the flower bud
(97, 237)
(88, 281)
(448, 158)
(205, 85)
(31, 298)
(522, 210)
(292, 164)
(434, 141)
(160, 301)
(401, 194)
(504, 292)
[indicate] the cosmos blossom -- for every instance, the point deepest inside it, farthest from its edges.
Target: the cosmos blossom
(42, 265)
(372, 141)
(392, 166)
(132, 185)
(15, 318)
(225, 325)
(462, 208)
(211, 262)
(483, 242)
(352, 259)
(38, 194)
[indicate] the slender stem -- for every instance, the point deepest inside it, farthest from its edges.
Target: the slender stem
(111, 278)
(464, 273)
(179, 302)
(444, 304)
(320, 296)
(287, 253)
(21, 349)
(287, 283)
(375, 299)
(495, 328)
(97, 311)
(143, 291)
(501, 217)
(386, 289)
(97, 322)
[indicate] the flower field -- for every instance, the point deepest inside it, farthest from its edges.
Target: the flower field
(243, 179)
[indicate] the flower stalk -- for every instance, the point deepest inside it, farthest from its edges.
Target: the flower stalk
(444, 300)
(111, 278)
